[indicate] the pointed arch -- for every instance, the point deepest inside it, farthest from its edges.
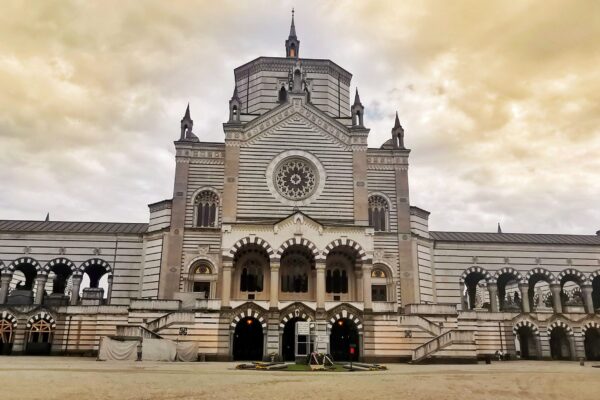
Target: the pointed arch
(345, 311)
(560, 324)
(527, 324)
(550, 278)
(43, 316)
(590, 325)
(251, 240)
(361, 254)
(295, 310)
(10, 318)
(249, 311)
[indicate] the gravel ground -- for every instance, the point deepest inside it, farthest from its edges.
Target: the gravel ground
(82, 378)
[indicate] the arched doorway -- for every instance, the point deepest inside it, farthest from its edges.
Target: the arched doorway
(527, 343)
(39, 338)
(248, 340)
(592, 344)
(560, 348)
(344, 333)
(288, 342)
(7, 325)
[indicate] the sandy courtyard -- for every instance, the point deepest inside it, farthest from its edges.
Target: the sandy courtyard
(81, 378)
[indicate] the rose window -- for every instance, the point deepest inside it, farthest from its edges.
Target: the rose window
(295, 179)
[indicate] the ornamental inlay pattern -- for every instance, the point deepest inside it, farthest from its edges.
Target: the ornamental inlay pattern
(295, 179)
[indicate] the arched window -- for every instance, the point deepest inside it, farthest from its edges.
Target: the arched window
(381, 284)
(282, 94)
(201, 278)
(336, 280)
(378, 213)
(251, 279)
(207, 206)
(292, 51)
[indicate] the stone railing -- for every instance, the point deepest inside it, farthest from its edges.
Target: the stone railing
(441, 341)
(385, 306)
(170, 319)
(155, 305)
(136, 331)
(423, 323)
(431, 309)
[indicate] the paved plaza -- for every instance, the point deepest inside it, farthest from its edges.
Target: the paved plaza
(75, 378)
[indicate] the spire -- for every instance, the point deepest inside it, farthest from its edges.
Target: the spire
(235, 107)
(397, 122)
(292, 27)
(499, 228)
(187, 113)
(357, 98)
(398, 134)
(292, 44)
(186, 125)
(357, 111)
(47, 217)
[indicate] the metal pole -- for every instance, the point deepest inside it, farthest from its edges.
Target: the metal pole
(68, 332)
(500, 331)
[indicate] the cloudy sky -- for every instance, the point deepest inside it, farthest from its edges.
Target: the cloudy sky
(500, 101)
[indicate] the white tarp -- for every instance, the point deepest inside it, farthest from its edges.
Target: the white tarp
(158, 350)
(187, 351)
(117, 350)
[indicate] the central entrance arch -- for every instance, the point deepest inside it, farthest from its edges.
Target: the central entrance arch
(248, 340)
(592, 344)
(344, 332)
(289, 339)
(559, 344)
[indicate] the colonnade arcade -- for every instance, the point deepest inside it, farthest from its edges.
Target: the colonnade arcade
(298, 271)
(58, 282)
(560, 340)
(537, 290)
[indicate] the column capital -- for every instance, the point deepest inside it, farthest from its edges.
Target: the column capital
(41, 278)
(77, 277)
(587, 286)
(492, 286)
(6, 277)
(320, 264)
(523, 286)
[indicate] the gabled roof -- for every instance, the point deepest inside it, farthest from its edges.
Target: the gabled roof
(72, 227)
(517, 238)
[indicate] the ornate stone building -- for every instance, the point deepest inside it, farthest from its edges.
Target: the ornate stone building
(294, 218)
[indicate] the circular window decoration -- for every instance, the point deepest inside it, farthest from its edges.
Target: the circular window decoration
(295, 177)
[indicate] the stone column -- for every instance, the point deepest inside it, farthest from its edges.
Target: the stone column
(226, 289)
(41, 285)
(320, 267)
(524, 289)
(274, 297)
(586, 291)
(75, 290)
(366, 284)
(109, 289)
(493, 292)
(555, 288)
(4, 285)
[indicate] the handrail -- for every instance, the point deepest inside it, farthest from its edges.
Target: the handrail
(441, 341)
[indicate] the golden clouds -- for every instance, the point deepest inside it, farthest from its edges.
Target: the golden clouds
(500, 100)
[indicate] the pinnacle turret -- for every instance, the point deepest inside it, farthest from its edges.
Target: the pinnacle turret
(292, 44)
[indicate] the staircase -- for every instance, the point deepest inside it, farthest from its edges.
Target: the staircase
(170, 319)
(136, 331)
(462, 341)
(423, 323)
